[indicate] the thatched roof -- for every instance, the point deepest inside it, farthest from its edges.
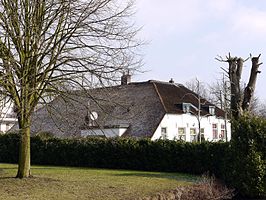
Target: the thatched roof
(138, 106)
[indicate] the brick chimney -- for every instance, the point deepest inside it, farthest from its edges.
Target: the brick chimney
(125, 79)
(171, 80)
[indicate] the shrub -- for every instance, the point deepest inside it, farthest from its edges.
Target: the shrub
(208, 189)
(143, 154)
(45, 135)
(240, 163)
(245, 168)
(9, 144)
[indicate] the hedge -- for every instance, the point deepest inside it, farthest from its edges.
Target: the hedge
(240, 163)
(247, 163)
(143, 154)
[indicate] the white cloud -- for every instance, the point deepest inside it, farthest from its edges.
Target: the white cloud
(168, 16)
(238, 26)
(250, 23)
(179, 29)
(220, 7)
(174, 17)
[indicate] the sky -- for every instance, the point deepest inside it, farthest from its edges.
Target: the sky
(185, 37)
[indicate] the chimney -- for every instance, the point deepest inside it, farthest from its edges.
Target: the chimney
(171, 80)
(125, 79)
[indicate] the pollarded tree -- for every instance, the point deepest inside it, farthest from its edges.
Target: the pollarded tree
(47, 46)
(240, 102)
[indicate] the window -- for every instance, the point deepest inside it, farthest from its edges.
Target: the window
(214, 131)
(8, 127)
(221, 136)
(202, 134)
(212, 110)
(182, 134)
(164, 133)
(186, 107)
(193, 135)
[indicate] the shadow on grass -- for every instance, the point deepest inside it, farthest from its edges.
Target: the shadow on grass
(46, 168)
(32, 178)
(6, 168)
(8, 177)
(186, 178)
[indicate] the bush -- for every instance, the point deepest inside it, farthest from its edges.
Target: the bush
(250, 131)
(240, 163)
(9, 144)
(143, 154)
(209, 188)
(246, 167)
(45, 135)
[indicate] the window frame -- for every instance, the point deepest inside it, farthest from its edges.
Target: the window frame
(212, 110)
(183, 135)
(164, 133)
(194, 135)
(215, 131)
(186, 107)
(222, 134)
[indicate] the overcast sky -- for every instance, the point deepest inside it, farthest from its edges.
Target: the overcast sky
(185, 37)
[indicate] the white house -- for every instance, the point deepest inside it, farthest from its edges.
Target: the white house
(7, 116)
(185, 127)
(151, 109)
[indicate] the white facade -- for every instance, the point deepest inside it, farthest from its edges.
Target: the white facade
(107, 132)
(7, 117)
(177, 127)
(185, 127)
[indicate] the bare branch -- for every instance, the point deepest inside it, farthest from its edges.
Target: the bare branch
(50, 46)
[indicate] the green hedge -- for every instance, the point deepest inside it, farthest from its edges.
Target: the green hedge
(247, 163)
(9, 144)
(144, 154)
(240, 163)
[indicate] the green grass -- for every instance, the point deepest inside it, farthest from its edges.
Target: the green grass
(63, 183)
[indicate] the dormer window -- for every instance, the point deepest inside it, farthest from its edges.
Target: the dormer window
(186, 107)
(212, 110)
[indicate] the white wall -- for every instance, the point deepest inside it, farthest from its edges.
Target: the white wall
(110, 132)
(7, 117)
(172, 122)
(6, 124)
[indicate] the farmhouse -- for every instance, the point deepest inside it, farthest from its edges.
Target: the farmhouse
(151, 109)
(7, 116)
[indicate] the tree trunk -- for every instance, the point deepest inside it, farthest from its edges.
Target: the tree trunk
(199, 133)
(240, 100)
(249, 90)
(24, 150)
(225, 126)
(235, 70)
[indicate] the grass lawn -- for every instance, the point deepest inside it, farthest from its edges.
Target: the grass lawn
(86, 183)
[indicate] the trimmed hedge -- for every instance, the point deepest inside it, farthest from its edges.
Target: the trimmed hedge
(9, 146)
(240, 163)
(247, 164)
(144, 154)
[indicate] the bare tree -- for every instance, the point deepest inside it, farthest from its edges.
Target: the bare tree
(220, 92)
(262, 110)
(51, 46)
(240, 103)
(258, 107)
(198, 88)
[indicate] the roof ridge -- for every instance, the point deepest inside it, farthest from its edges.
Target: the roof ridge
(159, 95)
(165, 82)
